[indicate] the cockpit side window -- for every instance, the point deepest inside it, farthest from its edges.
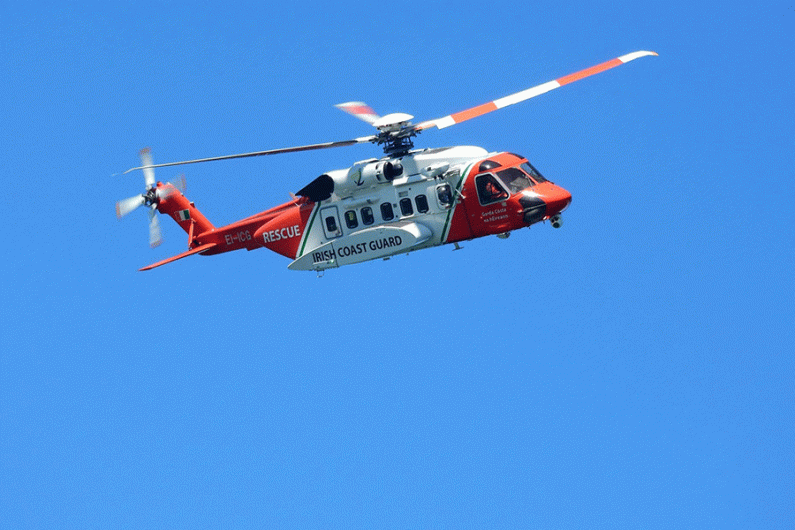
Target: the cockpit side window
(515, 179)
(489, 189)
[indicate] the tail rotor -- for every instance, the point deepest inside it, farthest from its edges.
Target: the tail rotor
(152, 195)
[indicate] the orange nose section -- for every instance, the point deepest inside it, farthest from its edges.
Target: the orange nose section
(557, 200)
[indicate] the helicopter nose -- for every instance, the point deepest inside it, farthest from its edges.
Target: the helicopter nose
(557, 200)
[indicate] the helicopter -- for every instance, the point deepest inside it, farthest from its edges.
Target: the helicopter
(409, 199)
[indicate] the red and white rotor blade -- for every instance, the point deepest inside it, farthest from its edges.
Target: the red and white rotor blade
(524, 95)
(360, 110)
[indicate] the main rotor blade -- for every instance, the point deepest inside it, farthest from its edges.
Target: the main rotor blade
(360, 110)
(524, 95)
(327, 145)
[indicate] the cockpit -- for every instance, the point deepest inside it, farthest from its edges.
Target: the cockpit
(495, 184)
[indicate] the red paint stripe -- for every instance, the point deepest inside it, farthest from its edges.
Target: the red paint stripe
(474, 112)
(360, 109)
(565, 80)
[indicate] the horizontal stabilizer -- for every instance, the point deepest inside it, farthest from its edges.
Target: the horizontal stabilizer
(200, 248)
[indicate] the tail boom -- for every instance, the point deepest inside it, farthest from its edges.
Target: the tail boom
(288, 220)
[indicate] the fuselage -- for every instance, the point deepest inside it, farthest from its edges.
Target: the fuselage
(381, 207)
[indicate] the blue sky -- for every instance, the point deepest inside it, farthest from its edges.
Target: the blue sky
(632, 369)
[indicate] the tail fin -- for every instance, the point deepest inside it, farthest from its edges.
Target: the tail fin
(174, 204)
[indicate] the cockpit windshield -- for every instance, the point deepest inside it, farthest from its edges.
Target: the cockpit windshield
(514, 179)
(533, 172)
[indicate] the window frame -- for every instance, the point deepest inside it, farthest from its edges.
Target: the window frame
(325, 214)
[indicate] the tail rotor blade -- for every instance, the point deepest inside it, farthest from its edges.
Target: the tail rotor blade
(146, 165)
(164, 192)
(179, 182)
(125, 206)
(155, 237)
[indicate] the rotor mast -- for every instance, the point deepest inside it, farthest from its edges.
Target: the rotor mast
(395, 132)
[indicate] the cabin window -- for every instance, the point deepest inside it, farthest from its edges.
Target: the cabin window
(489, 189)
(422, 203)
(367, 216)
(405, 207)
(386, 211)
(351, 221)
(444, 194)
(331, 224)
